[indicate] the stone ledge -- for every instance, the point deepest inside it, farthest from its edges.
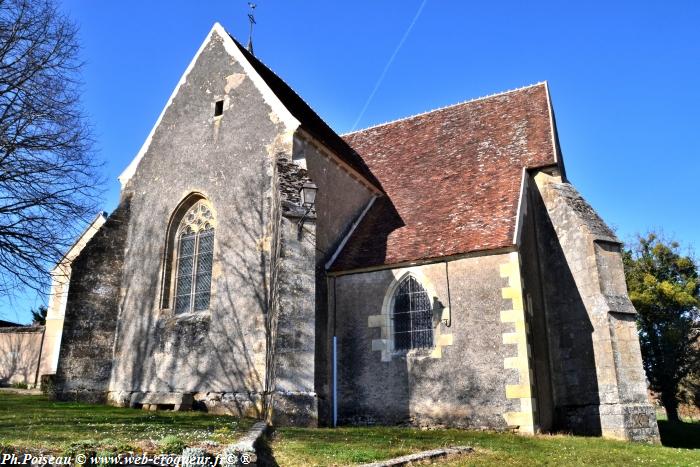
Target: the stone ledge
(421, 456)
(247, 442)
(152, 400)
(22, 330)
(245, 450)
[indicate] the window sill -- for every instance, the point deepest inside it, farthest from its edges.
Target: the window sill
(168, 317)
(417, 354)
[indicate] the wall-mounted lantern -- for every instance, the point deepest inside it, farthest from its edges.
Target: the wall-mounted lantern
(307, 193)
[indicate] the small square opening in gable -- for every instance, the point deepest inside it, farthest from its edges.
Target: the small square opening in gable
(218, 108)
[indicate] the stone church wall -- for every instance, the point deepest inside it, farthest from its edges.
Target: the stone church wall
(85, 358)
(218, 354)
(266, 326)
(462, 382)
(306, 242)
(340, 201)
(598, 382)
(532, 270)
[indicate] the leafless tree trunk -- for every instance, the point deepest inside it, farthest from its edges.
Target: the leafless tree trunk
(48, 174)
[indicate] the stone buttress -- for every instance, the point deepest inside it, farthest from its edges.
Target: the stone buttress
(598, 381)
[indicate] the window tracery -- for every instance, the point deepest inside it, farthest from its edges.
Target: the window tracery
(412, 316)
(194, 258)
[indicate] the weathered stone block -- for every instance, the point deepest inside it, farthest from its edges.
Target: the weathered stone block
(182, 400)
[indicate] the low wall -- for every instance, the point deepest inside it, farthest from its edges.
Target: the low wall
(20, 349)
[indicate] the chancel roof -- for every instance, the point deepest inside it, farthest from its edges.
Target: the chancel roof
(452, 178)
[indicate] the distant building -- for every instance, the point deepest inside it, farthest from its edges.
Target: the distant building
(446, 273)
(20, 350)
(27, 352)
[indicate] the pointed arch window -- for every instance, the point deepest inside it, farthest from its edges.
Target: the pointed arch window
(412, 316)
(190, 259)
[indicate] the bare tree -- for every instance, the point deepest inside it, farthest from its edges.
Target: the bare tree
(48, 173)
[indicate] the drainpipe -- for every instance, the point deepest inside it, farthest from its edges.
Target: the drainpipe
(448, 321)
(335, 382)
(335, 361)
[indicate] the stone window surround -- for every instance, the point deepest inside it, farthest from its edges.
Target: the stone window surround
(169, 263)
(383, 321)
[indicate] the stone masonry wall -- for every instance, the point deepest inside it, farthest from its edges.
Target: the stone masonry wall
(20, 350)
(218, 355)
(339, 203)
(531, 269)
(599, 385)
(462, 380)
(306, 241)
(85, 358)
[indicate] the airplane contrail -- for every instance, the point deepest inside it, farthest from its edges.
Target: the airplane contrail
(388, 64)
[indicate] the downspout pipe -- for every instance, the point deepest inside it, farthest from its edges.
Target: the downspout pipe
(448, 321)
(335, 381)
(335, 361)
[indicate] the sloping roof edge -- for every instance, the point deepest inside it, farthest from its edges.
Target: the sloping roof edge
(279, 96)
(558, 158)
(311, 122)
(94, 226)
(290, 122)
(422, 262)
(468, 101)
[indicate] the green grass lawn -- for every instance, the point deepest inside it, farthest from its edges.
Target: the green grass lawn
(344, 446)
(37, 424)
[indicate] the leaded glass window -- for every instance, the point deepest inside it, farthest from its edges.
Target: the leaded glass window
(412, 316)
(194, 258)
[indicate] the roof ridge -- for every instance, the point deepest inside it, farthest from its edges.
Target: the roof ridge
(438, 109)
(309, 120)
(241, 47)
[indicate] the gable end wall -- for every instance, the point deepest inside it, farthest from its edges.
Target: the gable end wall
(218, 356)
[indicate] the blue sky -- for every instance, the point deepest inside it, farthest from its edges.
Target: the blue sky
(623, 78)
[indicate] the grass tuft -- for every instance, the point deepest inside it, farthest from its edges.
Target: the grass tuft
(172, 444)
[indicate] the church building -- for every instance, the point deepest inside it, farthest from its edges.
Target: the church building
(438, 270)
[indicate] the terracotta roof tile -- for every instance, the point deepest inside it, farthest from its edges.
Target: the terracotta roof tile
(452, 178)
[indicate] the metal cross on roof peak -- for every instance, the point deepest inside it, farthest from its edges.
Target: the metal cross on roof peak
(251, 19)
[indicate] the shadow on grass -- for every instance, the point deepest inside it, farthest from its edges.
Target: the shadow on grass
(35, 422)
(680, 434)
(266, 457)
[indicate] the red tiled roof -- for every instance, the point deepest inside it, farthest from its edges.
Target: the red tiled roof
(452, 178)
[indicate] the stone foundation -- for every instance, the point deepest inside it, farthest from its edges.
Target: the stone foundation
(630, 422)
(295, 409)
(229, 403)
(87, 396)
